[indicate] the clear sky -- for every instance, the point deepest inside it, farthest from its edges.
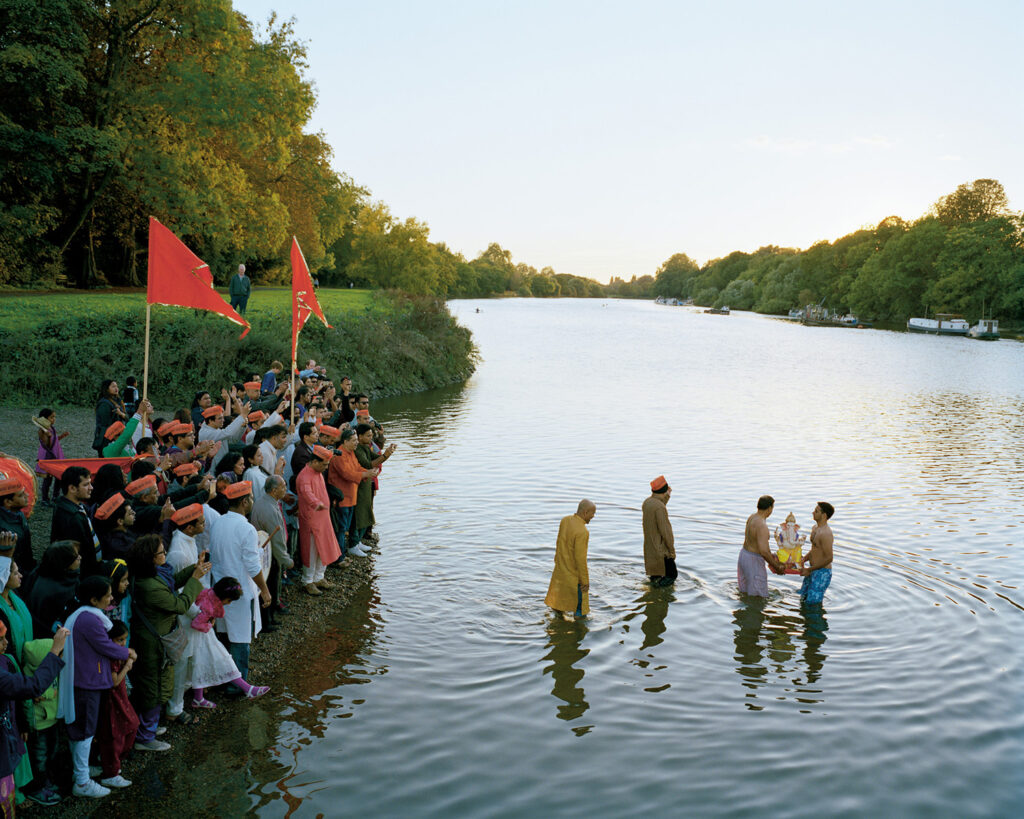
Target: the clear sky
(600, 138)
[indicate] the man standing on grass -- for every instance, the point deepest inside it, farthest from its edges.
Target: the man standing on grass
(239, 290)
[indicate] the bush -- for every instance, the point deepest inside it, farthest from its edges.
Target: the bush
(397, 345)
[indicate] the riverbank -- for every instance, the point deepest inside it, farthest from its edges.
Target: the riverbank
(61, 348)
(274, 655)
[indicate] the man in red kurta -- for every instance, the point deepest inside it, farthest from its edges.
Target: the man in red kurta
(317, 542)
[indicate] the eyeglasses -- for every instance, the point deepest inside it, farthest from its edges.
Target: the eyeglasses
(161, 552)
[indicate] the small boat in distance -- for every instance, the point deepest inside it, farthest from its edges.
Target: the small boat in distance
(718, 311)
(985, 329)
(944, 324)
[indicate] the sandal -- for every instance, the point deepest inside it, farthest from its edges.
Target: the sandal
(257, 691)
(184, 718)
(203, 703)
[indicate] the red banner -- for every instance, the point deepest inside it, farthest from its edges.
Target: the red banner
(180, 278)
(56, 468)
(304, 300)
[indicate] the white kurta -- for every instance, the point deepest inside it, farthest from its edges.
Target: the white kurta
(235, 552)
(184, 552)
(257, 477)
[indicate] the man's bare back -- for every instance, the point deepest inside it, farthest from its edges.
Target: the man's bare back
(756, 537)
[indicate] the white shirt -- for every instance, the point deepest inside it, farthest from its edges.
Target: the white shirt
(235, 552)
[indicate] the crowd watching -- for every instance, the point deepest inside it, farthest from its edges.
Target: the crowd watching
(165, 567)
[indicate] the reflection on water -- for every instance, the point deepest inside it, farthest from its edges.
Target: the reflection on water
(564, 646)
(425, 700)
(775, 647)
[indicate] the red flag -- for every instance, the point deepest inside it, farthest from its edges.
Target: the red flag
(304, 300)
(178, 277)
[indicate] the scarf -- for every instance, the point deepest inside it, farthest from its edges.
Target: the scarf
(66, 688)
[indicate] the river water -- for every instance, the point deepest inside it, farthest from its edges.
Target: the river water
(451, 690)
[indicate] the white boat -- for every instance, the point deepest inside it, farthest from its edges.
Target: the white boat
(944, 324)
(985, 329)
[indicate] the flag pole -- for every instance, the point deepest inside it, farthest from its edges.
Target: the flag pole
(145, 356)
(291, 403)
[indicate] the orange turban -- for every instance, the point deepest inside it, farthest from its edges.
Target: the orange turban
(658, 483)
(109, 506)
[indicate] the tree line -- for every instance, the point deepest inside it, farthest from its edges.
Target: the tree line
(965, 255)
(112, 110)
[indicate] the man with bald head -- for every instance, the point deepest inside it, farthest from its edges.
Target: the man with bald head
(570, 582)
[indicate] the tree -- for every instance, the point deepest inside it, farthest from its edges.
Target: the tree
(978, 201)
(672, 278)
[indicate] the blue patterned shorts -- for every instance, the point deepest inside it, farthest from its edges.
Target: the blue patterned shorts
(814, 585)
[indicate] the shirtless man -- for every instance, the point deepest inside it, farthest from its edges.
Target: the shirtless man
(818, 572)
(756, 551)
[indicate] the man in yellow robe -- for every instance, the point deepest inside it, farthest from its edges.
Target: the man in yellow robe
(570, 583)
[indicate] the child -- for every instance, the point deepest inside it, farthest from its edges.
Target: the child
(50, 448)
(130, 395)
(120, 607)
(118, 720)
(13, 688)
(791, 543)
(84, 678)
(211, 662)
(42, 721)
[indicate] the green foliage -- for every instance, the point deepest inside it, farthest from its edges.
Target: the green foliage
(395, 344)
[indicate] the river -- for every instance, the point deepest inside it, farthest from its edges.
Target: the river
(451, 690)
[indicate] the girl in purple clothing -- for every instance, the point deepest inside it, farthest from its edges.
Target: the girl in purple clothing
(84, 678)
(50, 448)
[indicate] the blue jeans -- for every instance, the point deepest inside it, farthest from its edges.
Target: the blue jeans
(345, 514)
(240, 654)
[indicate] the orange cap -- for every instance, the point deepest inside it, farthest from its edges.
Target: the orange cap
(658, 483)
(363, 413)
(238, 490)
(141, 485)
(184, 470)
(322, 453)
(109, 506)
(330, 432)
(213, 412)
(253, 385)
(165, 428)
(114, 430)
(8, 486)
(188, 514)
(256, 417)
(181, 428)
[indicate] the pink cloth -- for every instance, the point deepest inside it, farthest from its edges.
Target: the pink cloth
(210, 608)
(50, 451)
(312, 492)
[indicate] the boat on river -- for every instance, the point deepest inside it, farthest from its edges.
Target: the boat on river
(718, 311)
(985, 330)
(814, 315)
(944, 324)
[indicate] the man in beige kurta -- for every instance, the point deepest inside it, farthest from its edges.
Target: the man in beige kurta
(659, 543)
(570, 582)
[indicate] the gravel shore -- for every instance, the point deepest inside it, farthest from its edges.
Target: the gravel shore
(299, 635)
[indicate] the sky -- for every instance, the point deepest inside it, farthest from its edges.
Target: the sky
(600, 138)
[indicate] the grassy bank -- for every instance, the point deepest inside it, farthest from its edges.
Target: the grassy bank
(60, 346)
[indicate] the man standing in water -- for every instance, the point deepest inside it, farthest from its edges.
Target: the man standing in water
(659, 542)
(756, 551)
(818, 572)
(570, 582)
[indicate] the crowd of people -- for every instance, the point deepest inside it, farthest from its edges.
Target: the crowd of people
(165, 566)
